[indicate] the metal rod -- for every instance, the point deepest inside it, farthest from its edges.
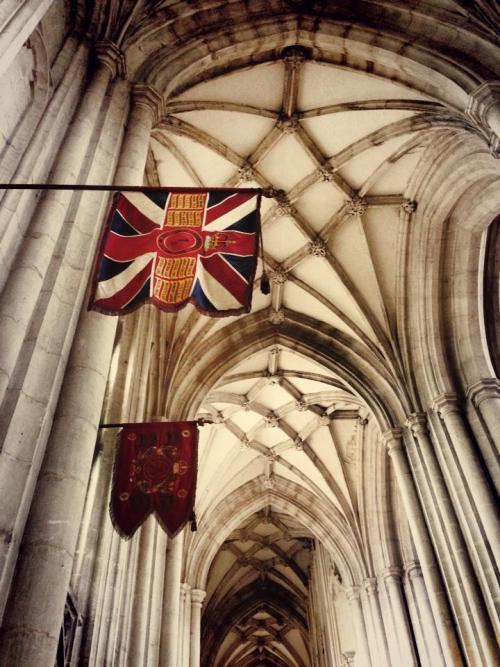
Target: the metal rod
(201, 422)
(118, 188)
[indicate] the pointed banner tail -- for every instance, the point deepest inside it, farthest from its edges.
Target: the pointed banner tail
(155, 472)
(171, 248)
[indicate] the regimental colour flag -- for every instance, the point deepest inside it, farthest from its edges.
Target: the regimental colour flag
(170, 248)
(155, 472)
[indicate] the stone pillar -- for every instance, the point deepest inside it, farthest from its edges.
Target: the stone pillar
(429, 649)
(18, 19)
(27, 412)
(17, 206)
(362, 650)
(392, 581)
(463, 589)
(485, 396)
(370, 587)
(156, 618)
(186, 629)
(137, 652)
(197, 597)
(184, 602)
(22, 290)
(31, 632)
(439, 602)
(170, 637)
(485, 505)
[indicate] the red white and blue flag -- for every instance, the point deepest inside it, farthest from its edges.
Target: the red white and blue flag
(170, 248)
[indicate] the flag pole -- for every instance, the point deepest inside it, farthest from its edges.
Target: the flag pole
(266, 192)
(202, 421)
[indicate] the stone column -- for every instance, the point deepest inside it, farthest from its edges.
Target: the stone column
(448, 408)
(22, 290)
(463, 590)
(31, 632)
(362, 649)
(27, 412)
(156, 618)
(197, 597)
(439, 602)
(370, 587)
(18, 19)
(392, 581)
(429, 648)
(186, 629)
(170, 639)
(485, 396)
(17, 206)
(137, 652)
(181, 622)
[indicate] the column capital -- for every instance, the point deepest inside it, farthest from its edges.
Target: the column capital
(370, 586)
(392, 573)
(197, 596)
(393, 439)
(108, 54)
(445, 404)
(483, 390)
(413, 569)
(352, 593)
(143, 94)
(185, 588)
(417, 423)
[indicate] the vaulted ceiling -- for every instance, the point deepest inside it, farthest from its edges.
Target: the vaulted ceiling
(337, 148)
(331, 114)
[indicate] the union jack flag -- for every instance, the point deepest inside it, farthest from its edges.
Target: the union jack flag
(170, 248)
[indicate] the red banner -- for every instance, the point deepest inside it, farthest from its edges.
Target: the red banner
(155, 471)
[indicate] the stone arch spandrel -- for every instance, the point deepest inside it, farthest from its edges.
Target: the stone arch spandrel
(287, 497)
(457, 189)
(363, 372)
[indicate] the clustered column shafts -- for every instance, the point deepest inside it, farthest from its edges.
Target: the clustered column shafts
(353, 595)
(172, 609)
(450, 650)
(29, 416)
(31, 637)
(463, 589)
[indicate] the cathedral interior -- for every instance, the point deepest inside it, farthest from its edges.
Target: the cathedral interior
(346, 501)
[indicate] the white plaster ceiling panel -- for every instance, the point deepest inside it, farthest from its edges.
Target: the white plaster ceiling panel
(260, 86)
(294, 294)
(329, 285)
(396, 177)
(334, 132)
(348, 244)
(358, 170)
(243, 132)
(170, 169)
(289, 153)
(383, 228)
(294, 361)
(326, 450)
(324, 84)
(303, 464)
(282, 238)
(210, 166)
(318, 203)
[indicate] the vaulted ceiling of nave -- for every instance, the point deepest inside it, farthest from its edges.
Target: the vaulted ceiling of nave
(337, 139)
(339, 146)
